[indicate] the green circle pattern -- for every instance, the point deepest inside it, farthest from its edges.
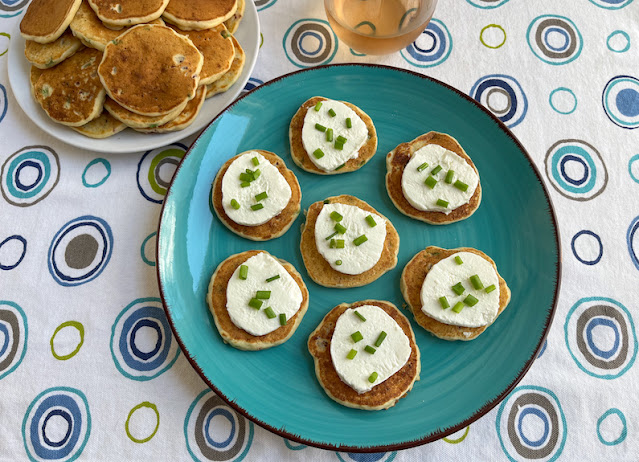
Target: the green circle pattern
(132, 411)
(492, 26)
(80, 328)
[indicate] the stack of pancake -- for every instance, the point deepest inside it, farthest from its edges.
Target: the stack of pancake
(100, 66)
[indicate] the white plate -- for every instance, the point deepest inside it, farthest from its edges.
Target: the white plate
(248, 34)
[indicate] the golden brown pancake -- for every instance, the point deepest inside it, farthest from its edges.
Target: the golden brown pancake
(71, 92)
(45, 55)
(234, 21)
(199, 14)
(150, 69)
(301, 157)
(230, 77)
(233, 335)
(382, 396)
(277, 225)
(87, 26)
(396, 161)
(128, 12)
(46, 20)
(411, 283)
(321, 271)
(34, 75)
(184, 118)
(133, 120)
(101, 127)
(216, 45)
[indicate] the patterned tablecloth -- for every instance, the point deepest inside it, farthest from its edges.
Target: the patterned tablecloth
(77, 239)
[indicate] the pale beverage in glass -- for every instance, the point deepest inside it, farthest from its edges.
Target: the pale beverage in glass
(379, 27)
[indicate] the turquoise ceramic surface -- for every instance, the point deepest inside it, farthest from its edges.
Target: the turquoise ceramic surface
(460, 381)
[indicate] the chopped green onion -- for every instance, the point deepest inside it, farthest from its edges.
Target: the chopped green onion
(369, 349)
(436, 170)
(339, 146)
(360, 240)
(269, 313)
(349, 124)
(332, 244)
(331, 113)
(318, 153)
(430, 182)
(320, 127)
(318, 106)
(263, 294)
(339, 243)
(246, 177)
(338, 262)
(442, 203)
(245, 184)
(256, 174)
(458, 307)
(461, 185)
(329, 134)
(326, 201)
(359, 315)
(273, 278)
(372, 377)
(261, 196)
(476, 282)
(282, 319)
(351, 354)
(458, 260)
(470, 300)
(235, 204)
(255, 303)
(339, 167)
(357, 336)
(371, 221)
(340, 228)
(458, 288)
(380, 339)
(336, 216)
(255, 161)
(331, 236)
(449, 176)
(341, 139)
(422, 167)
(490, 288)
(443, 301)
(256, 207)
(243, 272)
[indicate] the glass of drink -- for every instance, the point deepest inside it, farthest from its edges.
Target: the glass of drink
(379, 27)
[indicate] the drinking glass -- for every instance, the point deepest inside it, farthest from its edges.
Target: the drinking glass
(379, 27)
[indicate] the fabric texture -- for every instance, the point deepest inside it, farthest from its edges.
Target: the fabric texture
(77, 250)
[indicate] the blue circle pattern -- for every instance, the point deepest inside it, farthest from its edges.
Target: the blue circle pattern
(632, 238)
(543, 349)
(566, 90)
(536, 412)
(574, 250)
(366, 457)
(93, 271)
(12, 338)
(620, 100)
(264, 4)
(611, 4)
(624, 429)
(11, 8)
(128, 358)
(251, 84)
(560, 32)
(544, 50)
(16, 187)
(327, 43)
(606, 354)
(207, 433)
(487, 4)
(107, 166)
(68, 403)
(634, 159)
(518, 102)
(4, 104)
(442, 44)
(23, 241)
(625, 35)
(582, 188)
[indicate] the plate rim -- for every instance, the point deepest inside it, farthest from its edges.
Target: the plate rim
(145, 144)
(436, 435)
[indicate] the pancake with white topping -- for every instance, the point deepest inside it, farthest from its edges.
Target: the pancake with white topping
(432, 211)
(275, 217)
(264, 314)
(228, 79)
(149, 79)
(318, 155)
(358, 245)
(384, 394)
(46, 20)
(48, 55)
(412, 281)
(118, 13)
(199, 14)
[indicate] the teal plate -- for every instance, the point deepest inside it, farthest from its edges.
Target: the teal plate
(460, 381)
